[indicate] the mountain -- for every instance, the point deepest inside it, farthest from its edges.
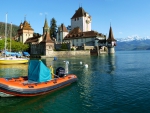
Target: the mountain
(133, 38)
(2, 30)
(133, 43)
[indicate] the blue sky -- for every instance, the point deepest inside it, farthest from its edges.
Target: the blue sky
(127, 17)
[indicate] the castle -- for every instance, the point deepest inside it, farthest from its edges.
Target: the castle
(80, 36)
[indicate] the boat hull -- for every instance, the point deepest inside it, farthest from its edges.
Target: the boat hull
(17, 61)
(20, 86)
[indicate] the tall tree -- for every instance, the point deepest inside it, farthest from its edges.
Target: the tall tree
(53, 28)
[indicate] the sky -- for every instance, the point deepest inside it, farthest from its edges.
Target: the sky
(128, 18)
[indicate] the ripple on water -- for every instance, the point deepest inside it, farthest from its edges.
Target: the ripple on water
(110, 84)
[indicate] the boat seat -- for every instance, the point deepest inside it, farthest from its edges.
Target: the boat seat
(30, 82)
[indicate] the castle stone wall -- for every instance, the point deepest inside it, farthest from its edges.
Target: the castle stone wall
(59, 45)
(67, 53)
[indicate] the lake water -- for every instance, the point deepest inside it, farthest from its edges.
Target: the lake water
(118, 83)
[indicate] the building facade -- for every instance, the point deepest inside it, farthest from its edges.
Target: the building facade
(82, 20)
(24, 32)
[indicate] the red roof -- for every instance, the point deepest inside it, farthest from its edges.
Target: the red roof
(77, 33)
(47, 38)
(79, 13)
(63, 28)
(25, 26)
(33, 39)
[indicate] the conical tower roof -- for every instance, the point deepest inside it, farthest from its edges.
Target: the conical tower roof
(111, 36)
(47, 38)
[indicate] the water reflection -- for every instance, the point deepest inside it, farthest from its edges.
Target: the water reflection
(19, 66)
(48, 61)
(92, 86)
(111, 63)
(107, 63)
(13, 70)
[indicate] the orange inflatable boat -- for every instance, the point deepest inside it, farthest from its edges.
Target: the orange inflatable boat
(38, 81)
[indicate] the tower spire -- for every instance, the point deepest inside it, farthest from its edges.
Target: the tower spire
(111, 36)
(111, 42)
(46, 23)
(46, 27)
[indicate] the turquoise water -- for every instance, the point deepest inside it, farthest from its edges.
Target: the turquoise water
(118, 83)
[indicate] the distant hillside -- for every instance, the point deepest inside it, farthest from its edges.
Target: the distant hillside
(2, 30)
(133, 45)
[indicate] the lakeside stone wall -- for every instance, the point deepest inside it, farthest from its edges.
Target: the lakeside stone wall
(67, 53)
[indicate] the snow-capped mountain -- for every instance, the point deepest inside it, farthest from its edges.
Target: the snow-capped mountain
(133, 38)
(133, 43)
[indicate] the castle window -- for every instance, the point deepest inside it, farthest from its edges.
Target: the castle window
(75, 19)
(78, 18)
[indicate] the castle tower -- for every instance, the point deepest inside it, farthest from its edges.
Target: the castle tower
(24, 32)
(47, 44)
(46, 27)
(111, 42)
(81, 19)
(61, 33)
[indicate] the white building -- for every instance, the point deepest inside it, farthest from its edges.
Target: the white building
(81, 33)
(82, 20)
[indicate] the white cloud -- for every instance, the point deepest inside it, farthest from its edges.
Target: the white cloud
(41, 14)
(120, 32)
(46, 13)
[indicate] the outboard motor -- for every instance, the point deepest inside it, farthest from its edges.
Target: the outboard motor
(60, 72)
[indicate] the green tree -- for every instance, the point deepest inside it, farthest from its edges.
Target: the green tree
(15, 46)
(2, 43)
(53, 28)
(18, 46)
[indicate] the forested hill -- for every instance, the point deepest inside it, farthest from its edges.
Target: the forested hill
(2, 29)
